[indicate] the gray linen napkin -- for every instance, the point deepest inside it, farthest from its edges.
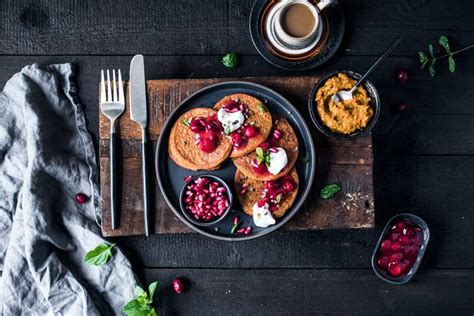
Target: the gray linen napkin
(46, 158)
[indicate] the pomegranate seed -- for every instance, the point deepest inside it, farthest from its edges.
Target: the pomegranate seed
(402, 75)
(404, 240)
(264, 146)
(408, 232)
(236, 220)
(248, 230)
(245, 185)
(273, 150)
(399, 225)
(241, 231)
(81, 198)
(178, 285)
(394, 257)
(277, 134)
(395, 246)
(187, 178)
(243, 191)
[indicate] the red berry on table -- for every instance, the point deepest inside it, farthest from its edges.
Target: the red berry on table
(402, 75)
(81, 198)
(402, 107)
(178, 285)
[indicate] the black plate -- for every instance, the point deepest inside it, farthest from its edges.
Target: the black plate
(336, 26)
(171, 177)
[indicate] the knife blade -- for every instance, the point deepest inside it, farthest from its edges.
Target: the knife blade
(138, 108)
(138, 113)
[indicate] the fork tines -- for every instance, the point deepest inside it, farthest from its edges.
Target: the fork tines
(113, 94)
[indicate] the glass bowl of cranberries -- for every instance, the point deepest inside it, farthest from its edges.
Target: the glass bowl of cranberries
(205, 199)
(400, 248)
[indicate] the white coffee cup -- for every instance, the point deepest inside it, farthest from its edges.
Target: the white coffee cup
(316, 32)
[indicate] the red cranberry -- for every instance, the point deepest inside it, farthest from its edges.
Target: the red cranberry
(409, 232)
(402, 75)
(404, 240)
(197, 125)
(207, 145)
(288, 185)
(399, 226)
(394, 268)
(81, 198)
(394, 257)
(249, 131)
(259, 168)
(385, 245)
(382, 262)
(178, 285)
(395, 246)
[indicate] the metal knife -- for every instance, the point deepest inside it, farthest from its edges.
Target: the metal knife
(138, 114)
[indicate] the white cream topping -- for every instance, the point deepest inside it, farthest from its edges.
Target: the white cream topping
(262, 217)
(230, 121)
(278, 161)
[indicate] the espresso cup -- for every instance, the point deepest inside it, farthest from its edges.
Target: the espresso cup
(314, 35)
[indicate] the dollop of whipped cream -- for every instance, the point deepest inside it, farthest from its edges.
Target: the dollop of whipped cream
(278, 161)
(262, 217)
(230, 121)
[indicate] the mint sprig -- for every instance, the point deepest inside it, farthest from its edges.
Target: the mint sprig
(230, 60)
(432, 59)
(141, 304)
(263, 156)
(100, 255)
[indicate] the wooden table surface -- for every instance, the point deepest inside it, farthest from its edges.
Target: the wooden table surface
(424, 157)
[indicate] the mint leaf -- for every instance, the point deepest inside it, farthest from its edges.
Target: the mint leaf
(431, 50)
(423, 57)
(278, 198)
(230, 60)
(443, 41)
(227, 130)
(151, 291)
(452, 64)
(329, 191)
(262, 108)
(141, 304)
(100, 255)
(185, 122)
(431, 69)
(259, 151)
(304, 159)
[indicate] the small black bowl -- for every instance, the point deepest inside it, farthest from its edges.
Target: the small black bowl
(312, 107)
(189, 216)
(426, 238)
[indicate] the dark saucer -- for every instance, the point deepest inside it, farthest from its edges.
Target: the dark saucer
(331, 39)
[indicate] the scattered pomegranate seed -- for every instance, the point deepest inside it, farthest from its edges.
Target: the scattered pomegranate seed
(402, 75)
(81, 198)
(178, 285)
(277, 134)
(248, 230)
(187, 178)
(402, 107)
(241, 231)
(236, 220)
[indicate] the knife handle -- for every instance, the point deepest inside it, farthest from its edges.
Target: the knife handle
(146, 206)
(113, 182)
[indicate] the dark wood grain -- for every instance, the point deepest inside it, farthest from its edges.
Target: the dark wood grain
(423, 157)
(207, 27)
(297, 292)
(350, 162)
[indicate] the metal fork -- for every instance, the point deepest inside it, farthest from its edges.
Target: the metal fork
(112, 105)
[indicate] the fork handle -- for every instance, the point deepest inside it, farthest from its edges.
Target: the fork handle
(146, 204)
(113, 181)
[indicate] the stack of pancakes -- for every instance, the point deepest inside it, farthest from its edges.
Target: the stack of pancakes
(249, 186)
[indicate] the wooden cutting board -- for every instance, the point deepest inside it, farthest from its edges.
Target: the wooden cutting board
(349, 163)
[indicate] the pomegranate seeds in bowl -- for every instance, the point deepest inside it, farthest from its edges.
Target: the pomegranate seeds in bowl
(400, 248)
(205, 199)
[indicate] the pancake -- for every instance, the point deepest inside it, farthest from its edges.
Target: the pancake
(288, 141)
(254, 193)
(186, 154)
(259, 117)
